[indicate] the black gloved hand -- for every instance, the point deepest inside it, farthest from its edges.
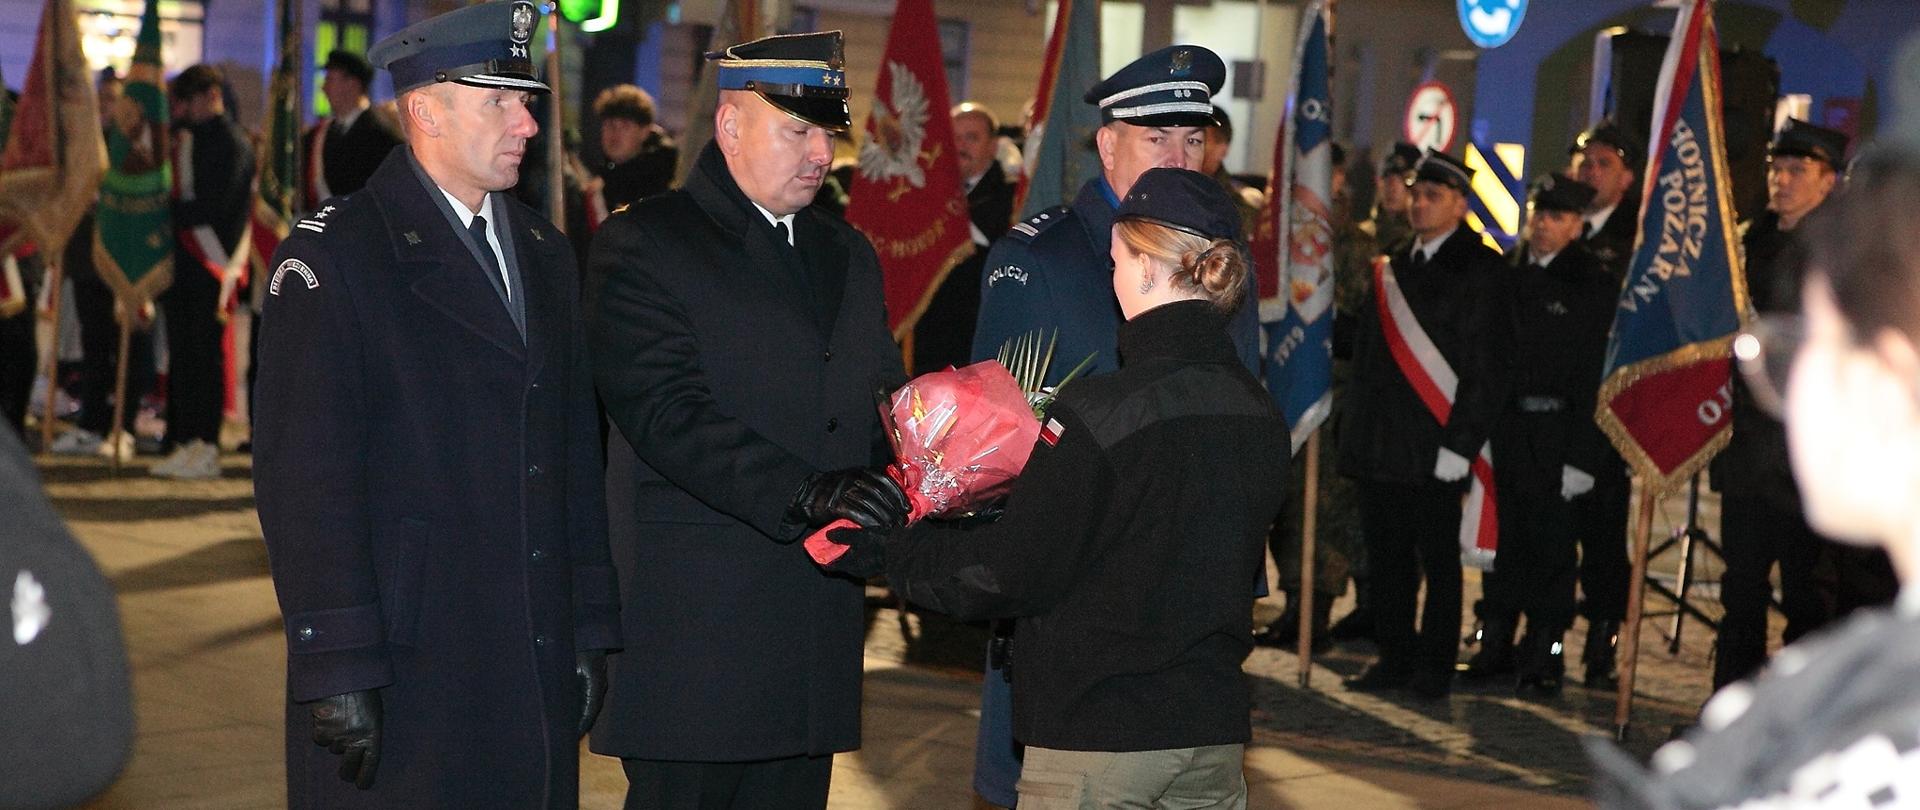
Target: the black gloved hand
(590, 668)
(867, 496)
(349, 725)
(866, 554)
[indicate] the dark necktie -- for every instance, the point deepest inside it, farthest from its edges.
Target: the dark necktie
(1586, 229)
(780, 233)
(478, 227)
(1419, 259)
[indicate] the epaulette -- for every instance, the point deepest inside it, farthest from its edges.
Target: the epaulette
(317, 221)
(1026, 229)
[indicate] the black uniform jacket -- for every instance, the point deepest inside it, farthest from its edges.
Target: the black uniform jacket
(429, 485)
(1560, 314)
(63, 669)
(1125, 549)
(643, 175)
(219, 196)
(1755, 463)
(944, 334)
(1613, 243)
(733, 366)
(1386, 433)
(348, 159)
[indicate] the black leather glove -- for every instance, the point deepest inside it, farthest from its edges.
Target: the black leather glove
(866, 554)
(867, 496)
(590, 667)
(349, 725)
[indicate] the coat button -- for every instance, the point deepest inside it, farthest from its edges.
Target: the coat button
(539, 641)
(306, 634)
(833, 424)
(828, 357)
(533, 470)
(539, 554)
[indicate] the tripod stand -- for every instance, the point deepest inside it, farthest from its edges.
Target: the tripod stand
(1691, 539)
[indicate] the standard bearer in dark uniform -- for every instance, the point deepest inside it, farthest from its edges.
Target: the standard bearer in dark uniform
(427, 458)
(1411, 465)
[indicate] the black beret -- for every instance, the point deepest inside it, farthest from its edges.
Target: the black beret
(1801, 139)
(1171, 87)
(1183, 200)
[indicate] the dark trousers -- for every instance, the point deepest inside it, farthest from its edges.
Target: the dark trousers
(1413, 531)
(100, 357)
(1758, 532)
(17, 360)
(1600, 526)
(792, 783)
(1533, 573)
(196, 366)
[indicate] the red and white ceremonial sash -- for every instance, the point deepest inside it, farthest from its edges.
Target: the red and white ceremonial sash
(13, 291)
(1434, 380)
(596, 208)
(201, 242)
(317, 190)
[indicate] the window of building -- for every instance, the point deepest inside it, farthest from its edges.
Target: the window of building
(109, 29)
(344, 25)
(955, 38)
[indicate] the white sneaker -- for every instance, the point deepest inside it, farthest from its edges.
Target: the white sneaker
(202, 463)
(125, 446)
(169, 467)
(77, 442)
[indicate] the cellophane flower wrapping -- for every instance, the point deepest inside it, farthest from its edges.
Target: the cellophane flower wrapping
(960, 438)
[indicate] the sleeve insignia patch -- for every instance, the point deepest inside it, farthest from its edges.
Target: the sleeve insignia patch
(297, 266)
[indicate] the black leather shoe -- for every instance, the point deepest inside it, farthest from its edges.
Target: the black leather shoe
(1378, 678)
(1432, 684)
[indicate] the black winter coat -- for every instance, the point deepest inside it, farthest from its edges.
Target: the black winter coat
(346, 159)
(1754, 463)
(1386, 432)
(1561, 315)
(1126, 547)
(429, 485)
(733, 366)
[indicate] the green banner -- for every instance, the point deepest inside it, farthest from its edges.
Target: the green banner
(133, 244)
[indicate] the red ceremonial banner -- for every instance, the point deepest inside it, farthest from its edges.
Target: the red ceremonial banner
(906, 194)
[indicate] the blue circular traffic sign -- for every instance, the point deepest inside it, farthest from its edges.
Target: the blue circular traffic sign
(1490, 23)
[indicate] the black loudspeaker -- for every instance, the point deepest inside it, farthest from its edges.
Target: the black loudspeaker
(1750, 86)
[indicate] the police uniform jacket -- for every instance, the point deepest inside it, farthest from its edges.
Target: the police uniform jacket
(1054, 271)
(1755, 463)
(1126, 546)
(349, 157)
(1387, 434)
(1560, 315)
(733, 366)
(429, 485)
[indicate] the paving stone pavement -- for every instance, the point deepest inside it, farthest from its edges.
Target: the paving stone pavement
(205, 641)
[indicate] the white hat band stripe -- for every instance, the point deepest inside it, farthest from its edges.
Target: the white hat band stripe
(501, 81)
(1160, 109)
(1123, 95)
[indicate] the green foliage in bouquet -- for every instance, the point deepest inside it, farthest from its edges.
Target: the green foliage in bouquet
(1023, 357)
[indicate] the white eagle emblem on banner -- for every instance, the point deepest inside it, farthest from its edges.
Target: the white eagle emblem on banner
(897, 131)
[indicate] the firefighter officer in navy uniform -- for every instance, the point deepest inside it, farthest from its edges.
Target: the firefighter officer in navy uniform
(739, 339)
(1411, 469)
(1053, 274)
(1610, 160)
(1546, 444)
(428, 459)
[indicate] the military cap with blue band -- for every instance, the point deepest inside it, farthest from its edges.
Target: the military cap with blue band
(803, 75)
(484, 45)
(1558, 192)
(1801, 139)
(1442, 168)
(1171, 87)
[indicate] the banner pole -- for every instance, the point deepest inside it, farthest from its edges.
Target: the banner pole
(120, 391)
(556, 134)
(1646, 499)
(1310, 502)
(53, 282)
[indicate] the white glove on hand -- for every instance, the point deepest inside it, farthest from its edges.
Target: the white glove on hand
(1450, 466)
(1574, 483)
